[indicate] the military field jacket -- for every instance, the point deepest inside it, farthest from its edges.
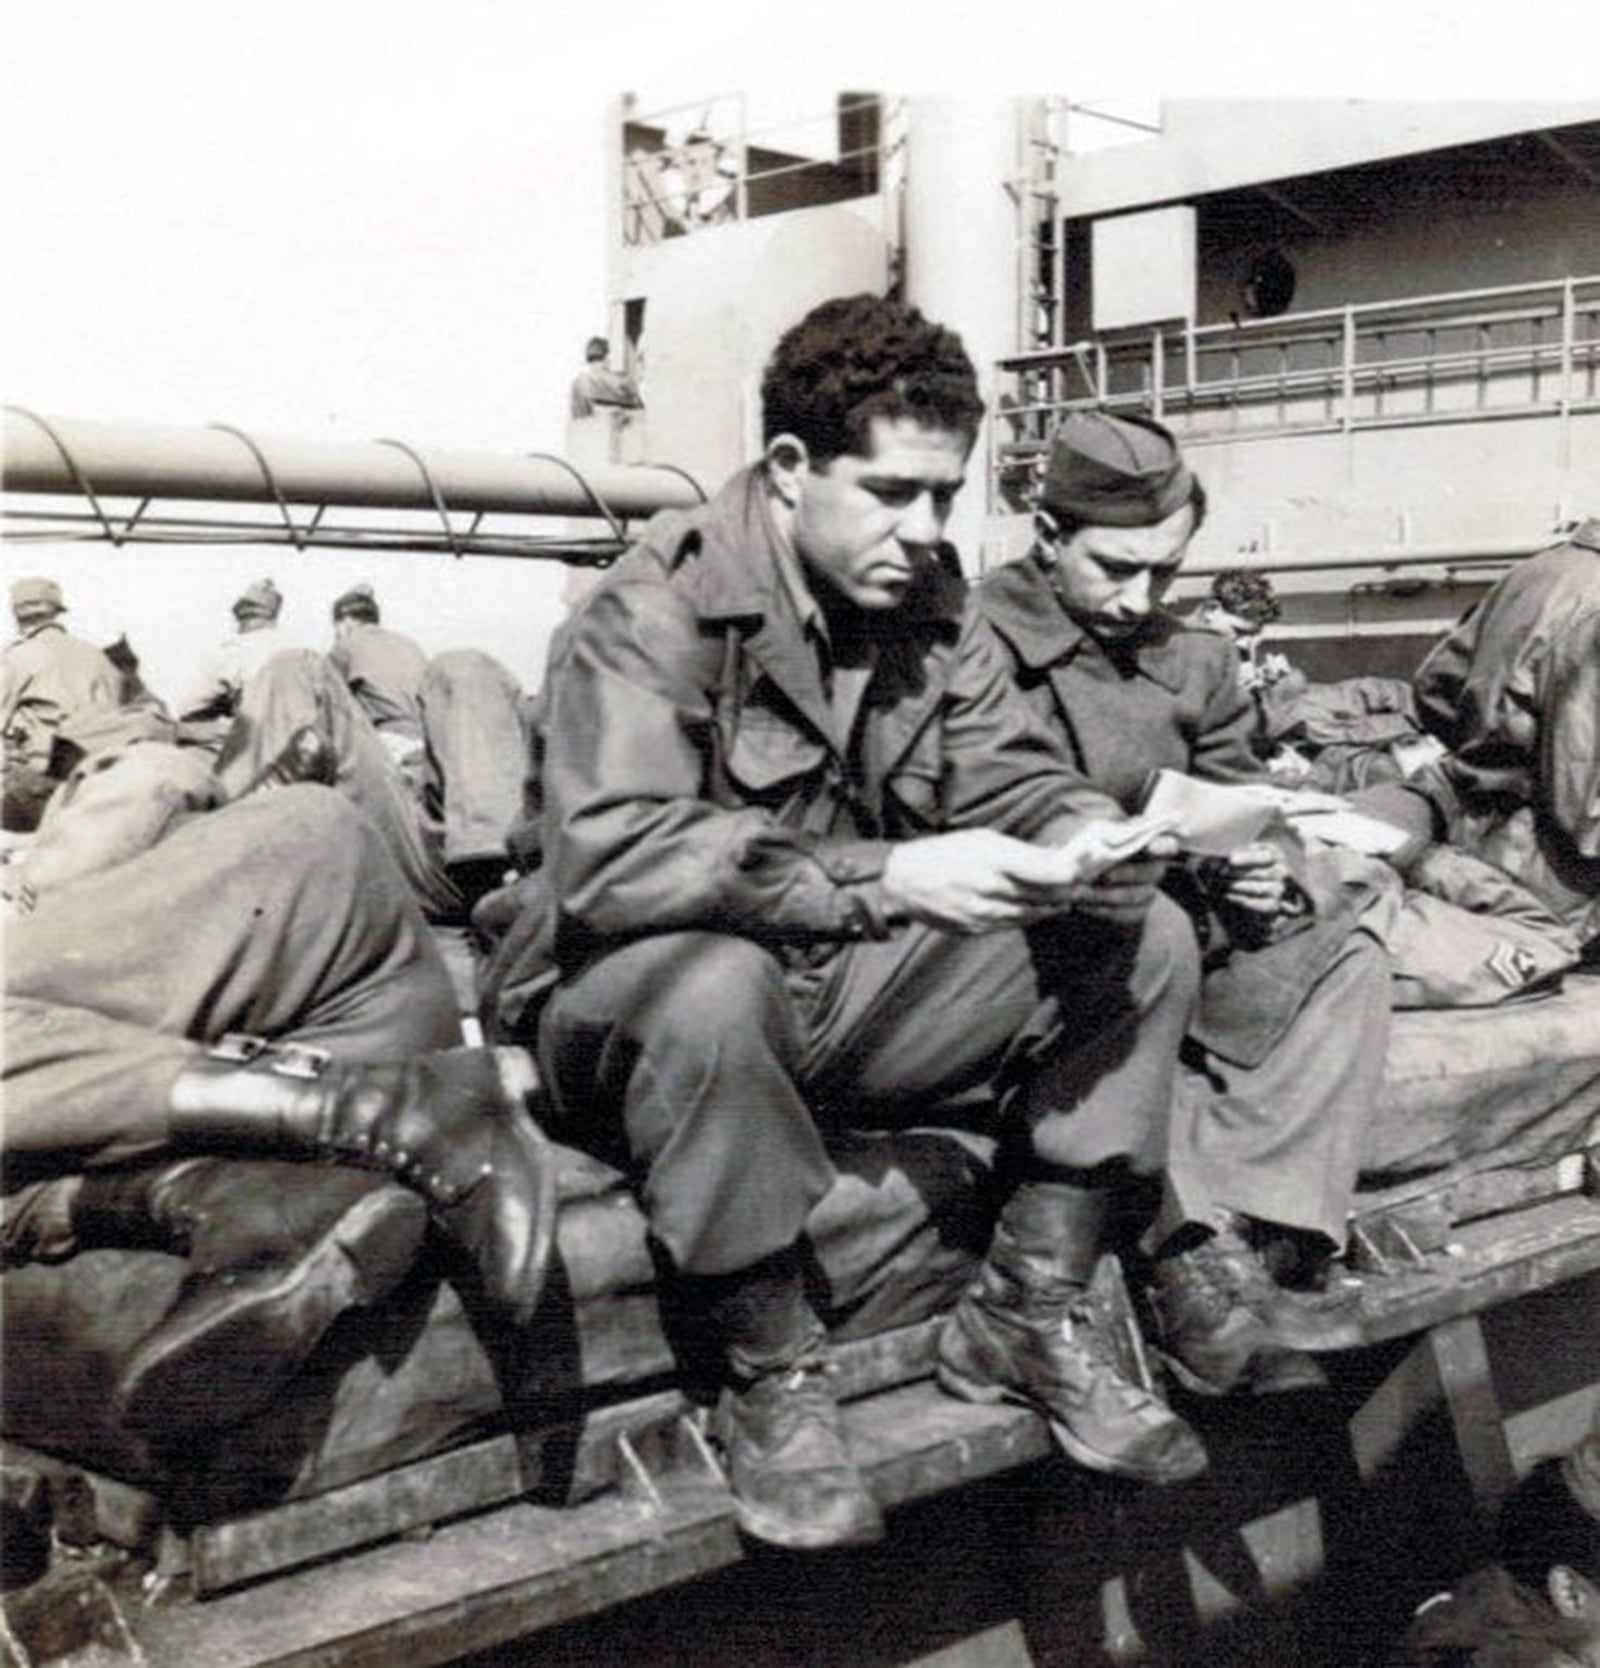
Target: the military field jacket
(384, 670)
(1173, 701)
(48, 676)
(1514, 691)
(692, 776)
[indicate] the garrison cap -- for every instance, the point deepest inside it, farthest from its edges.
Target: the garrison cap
(1114, 471)
(36, 596)
(260, 601)
(360, 602)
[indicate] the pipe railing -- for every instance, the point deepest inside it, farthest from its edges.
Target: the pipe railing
(450, 494)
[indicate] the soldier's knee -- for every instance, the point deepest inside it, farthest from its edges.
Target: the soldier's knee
(705, 991)
(1168, 954)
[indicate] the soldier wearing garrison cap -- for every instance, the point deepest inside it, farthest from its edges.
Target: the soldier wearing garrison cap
(1114, 471)
(211, 697)
(384, 668)
(48, 677)
(1292, 1023)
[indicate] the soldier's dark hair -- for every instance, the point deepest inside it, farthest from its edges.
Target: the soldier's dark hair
(859, 357)
(1248, 594)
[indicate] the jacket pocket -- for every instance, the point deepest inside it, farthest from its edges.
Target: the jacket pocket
(770, 759)
(918, 793)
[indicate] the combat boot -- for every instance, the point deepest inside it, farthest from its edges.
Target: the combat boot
(793, 1480)
(1026, 1331)
(1224, 1323)
(454, 1126)
(1210, 1306)
(277, 1253)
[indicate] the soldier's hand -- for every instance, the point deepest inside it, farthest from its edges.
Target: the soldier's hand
(976, 880)
(1124, 893)
(1256, 879)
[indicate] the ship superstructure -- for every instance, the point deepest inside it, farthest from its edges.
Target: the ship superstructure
(1375, 326)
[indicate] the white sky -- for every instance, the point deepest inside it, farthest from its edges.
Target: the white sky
(340, 219)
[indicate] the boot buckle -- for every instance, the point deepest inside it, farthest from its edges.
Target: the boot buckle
(285, 1059)
(296, 1059)
(238, 1048)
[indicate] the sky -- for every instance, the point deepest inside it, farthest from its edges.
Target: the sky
(345, 219)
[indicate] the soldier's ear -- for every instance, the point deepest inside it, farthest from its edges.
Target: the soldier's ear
(787, 463)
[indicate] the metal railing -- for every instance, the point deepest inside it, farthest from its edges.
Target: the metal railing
(1468, 355)
(131, 483)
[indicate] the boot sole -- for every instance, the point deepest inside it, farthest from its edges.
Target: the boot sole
(988, 1394)
(775, 1531)
(1247, 1384)
(226, 1353)
(1315, 1334)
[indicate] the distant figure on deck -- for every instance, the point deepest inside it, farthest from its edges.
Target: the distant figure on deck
(709, 187)
(604, 407)
(597, 386)
(47, 677)
(213, 694)
(384, 668)
(1241, 606)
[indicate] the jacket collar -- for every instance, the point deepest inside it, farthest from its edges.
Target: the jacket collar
(737, 555)
(733, 548)
(1022, 605)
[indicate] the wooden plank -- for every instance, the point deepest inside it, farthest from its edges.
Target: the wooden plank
(1480, 1193)
(467, 1587)
(1484, 1263)
(1461, 1361)
(564, 1464)
(1380, 1426)
(520, 1568)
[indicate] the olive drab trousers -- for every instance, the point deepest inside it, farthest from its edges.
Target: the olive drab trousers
(713, 1067)
(462, 798)
(282, 916)
(1280, 1139)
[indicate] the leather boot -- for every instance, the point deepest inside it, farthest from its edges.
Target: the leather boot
(1220, 1317)
(452, 1125)
(277, 1252)
(1025, 1331)
(794, 1483)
